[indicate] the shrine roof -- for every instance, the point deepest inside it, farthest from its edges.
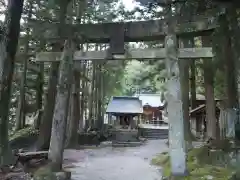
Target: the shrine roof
(153, 100)
(125, 105)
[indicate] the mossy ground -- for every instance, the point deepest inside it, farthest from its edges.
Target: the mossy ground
(46, 173)
(200, 166)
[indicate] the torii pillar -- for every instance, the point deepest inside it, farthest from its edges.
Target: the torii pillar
(177, 146)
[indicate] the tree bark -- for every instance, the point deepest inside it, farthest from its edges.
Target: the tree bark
(61, 107)
(8, 49)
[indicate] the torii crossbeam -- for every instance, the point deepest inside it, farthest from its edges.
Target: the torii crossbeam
(139, 54)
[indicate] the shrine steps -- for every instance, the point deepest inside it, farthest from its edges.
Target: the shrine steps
(154, 133)
(127, 144)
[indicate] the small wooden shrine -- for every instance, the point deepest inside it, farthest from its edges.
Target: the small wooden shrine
(124, 113)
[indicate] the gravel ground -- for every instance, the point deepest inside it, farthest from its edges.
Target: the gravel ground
(115, 163)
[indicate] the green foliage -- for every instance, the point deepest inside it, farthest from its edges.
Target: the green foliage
(112, 72)
(26, 132)
(144, 77)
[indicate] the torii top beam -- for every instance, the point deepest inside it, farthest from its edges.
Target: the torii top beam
(134, 31)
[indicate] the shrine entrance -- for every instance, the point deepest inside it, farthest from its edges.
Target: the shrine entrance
(116, 34)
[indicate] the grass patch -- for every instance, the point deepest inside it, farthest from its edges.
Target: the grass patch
(200, 165)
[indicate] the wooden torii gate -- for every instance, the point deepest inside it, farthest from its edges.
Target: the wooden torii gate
(144, 31)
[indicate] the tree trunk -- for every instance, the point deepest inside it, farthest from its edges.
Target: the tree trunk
(83, 89)
(222, 120)
(96, 95)
(20, 115)
(184, 80)
(69, 117)
(91, 97)
(175, 114)
(99, 98)
(8, 49)
(39, 99)
(230, 74)
(75, 112)
(47, 117)
(209, 93)
(103, 90)
(39, 89)
(61, 107)
(88, 86)
(46, 121)
(193, 95)
(232, 12)
(87, 94)
(193, 85)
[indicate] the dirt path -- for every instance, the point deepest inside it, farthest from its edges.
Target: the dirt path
(116, 163)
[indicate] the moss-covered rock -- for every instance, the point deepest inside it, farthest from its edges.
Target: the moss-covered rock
(23, 138)
(202, 165)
